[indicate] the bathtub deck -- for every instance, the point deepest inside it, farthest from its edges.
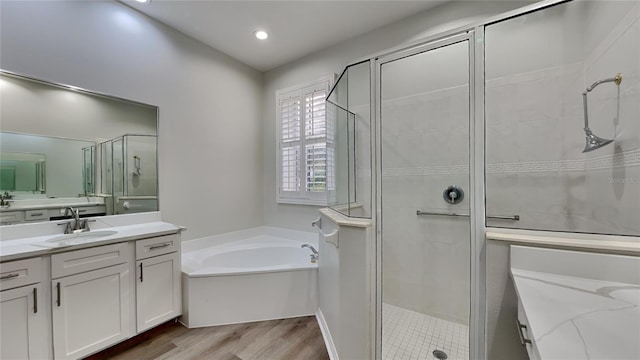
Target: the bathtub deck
(289, 339)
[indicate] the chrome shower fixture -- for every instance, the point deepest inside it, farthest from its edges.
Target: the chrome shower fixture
(136, 165)
(593, 141)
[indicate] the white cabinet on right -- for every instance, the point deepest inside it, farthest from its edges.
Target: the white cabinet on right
(158, 281)
(577, 304)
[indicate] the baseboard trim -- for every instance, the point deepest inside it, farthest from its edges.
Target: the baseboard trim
(326, 336)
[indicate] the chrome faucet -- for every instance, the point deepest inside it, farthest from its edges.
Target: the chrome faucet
(314, 256)
(78, 225)
(4, 199)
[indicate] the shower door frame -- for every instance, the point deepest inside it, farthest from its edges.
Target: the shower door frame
(475, 32)
(474, 38)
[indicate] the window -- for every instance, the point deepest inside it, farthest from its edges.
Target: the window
(305, 145)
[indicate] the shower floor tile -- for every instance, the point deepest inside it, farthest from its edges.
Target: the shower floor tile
(408, 335)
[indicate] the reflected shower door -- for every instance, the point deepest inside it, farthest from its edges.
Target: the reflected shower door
(425, 114)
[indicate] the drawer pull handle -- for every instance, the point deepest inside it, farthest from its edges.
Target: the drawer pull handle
(159, 246)
(12, 275)
(523, 341)
(35, 300)
(58, 298)
(36, 214)
(141, 277)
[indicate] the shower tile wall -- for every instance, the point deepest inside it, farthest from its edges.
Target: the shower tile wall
(534, 113)
(426, 258)
(144, 183)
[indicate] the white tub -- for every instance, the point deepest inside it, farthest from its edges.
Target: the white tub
(250, 275)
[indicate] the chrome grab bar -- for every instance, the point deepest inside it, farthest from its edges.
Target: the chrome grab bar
(496, 217)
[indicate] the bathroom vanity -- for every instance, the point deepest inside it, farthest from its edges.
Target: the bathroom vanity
(26, 211)
(577, 305)
(69, 296)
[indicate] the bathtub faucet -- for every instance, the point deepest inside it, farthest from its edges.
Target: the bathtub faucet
(314, 256)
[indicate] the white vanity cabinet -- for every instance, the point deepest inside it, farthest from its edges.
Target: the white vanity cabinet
(22, 320)
(524, 331)
(11, 217)
(158, 281)
(72, 301)
(90, 299)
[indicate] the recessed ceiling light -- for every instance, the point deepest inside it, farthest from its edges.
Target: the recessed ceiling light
(143, 1)
(261, 34)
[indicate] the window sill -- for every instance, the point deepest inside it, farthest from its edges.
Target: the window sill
(302, 202)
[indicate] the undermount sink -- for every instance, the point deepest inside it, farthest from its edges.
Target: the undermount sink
(76, 239)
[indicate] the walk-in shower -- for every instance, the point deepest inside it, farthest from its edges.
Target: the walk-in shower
(475, 129)
(593, 141)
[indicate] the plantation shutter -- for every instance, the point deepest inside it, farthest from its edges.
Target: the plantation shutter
(305, 150)
(315, 119)
(290, 128)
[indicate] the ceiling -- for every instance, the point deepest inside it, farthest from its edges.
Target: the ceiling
(296, 28)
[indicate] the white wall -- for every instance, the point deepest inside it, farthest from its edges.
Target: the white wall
(210, 129)
(333, 60)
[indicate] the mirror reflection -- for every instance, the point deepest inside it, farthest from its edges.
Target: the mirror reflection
(62, 147)
(22, 171)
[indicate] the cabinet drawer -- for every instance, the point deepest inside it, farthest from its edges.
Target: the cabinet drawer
(19, 273)
(74, 262)
(34, 215)
(82, 211)
(11, 217)
(157, 246)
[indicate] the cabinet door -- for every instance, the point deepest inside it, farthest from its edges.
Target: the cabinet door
(90, 311)
(158, 296)
(22, 324)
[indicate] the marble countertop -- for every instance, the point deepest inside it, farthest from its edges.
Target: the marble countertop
(580, 318)
(37, 245)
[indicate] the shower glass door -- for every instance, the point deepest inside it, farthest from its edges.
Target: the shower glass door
(425, 192)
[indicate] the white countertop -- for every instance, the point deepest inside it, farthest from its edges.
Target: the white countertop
(579, 305)
(576, 318)
(27, 247)
(52, 203)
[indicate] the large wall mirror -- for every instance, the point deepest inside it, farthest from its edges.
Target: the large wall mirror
(65, 147)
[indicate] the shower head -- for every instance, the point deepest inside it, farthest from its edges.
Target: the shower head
(594, 142)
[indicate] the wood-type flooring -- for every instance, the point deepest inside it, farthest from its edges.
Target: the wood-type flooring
(287, 339)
